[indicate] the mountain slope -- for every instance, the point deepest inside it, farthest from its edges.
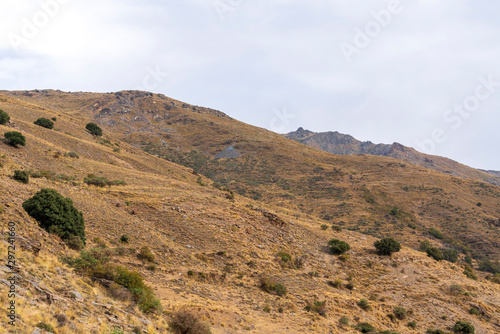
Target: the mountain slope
(212, 247)
(337, 143)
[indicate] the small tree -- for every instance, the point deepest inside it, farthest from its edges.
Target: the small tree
(4, 117)
(21, 176)
(15, 138)
(387, 246)
(45, 122)
(338, 247)
(56, 214)
(94, 129)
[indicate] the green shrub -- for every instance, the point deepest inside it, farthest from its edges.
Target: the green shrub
(450, 255)
(56, 214)
(101, 181)
(46, 327)
(424, 245)
(94, 129)
(468, 260)
(44, 122)
(435, 253)
(270, 285)
(338, 247)
(324, 227)
(400, 312)
(124, 239)
(496, 279)
(436, 331)
(4, 117)
(146, 254)
(365, 327)
(489, 266)
(15, 138)
(336, 284)
(456, 290)
(337, 228)
(387, 246)
(364, 304)
(72, 155)
(463, 327)
(186, 321)
(75, 243)
(394, 211)
(21, 176)
(317, 307)
(436, 234)
(344, 320)
(412, 324)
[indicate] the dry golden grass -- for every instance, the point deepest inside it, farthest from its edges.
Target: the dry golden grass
(229, 245)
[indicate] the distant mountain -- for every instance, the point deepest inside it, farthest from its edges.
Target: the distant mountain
(342, 144)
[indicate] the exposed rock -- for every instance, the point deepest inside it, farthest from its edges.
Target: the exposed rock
(228, 153)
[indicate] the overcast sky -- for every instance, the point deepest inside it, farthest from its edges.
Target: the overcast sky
(422, 73)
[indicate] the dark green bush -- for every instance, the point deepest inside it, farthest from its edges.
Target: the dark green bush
(364, 304)
(436, 331)
(489, 266)
(412, 324)
(15, 138)
(387, 246)
(45, 122)
(400, 312)
(46, 327)
(186, 321)
(436, 234)
(337, 228)
(435, 253)
(424, 245)
(394, 211)
(21, 176)
(338, 247)
(450, 255)
(124, 239)
(4, 117)
(56, 214)
(94, 129)
(463, 327)
(365, 327)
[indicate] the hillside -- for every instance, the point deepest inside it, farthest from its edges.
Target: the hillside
(338, 143)
(211, 246)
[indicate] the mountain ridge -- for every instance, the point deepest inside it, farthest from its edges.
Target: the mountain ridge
(343, 144)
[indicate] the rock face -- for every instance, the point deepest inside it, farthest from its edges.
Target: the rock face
(228, 153)
(341, 144)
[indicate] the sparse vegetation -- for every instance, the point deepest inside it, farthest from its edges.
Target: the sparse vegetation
(185, 321)
(94, 129)
(387, 246)
(338, 247)
(15, 138)
(365, 327)
(72, 155)
(400, 312)
(436, 234)
(56, 214)
(146, 254)
(101, 181)
(45, 123)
